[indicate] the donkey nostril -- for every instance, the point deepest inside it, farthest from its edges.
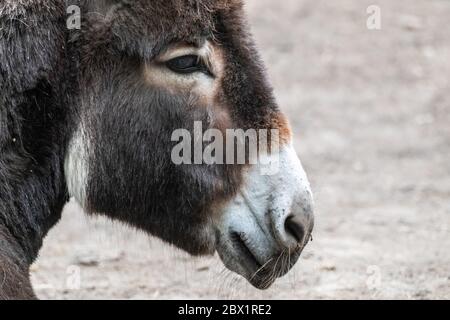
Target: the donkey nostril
(294, 227)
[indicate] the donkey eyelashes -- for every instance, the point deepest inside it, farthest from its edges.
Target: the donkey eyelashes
(187, 64)
(187, 59)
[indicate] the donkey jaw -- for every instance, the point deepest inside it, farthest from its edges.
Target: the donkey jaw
(264, 229)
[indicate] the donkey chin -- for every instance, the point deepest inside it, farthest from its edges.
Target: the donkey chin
(264, 228)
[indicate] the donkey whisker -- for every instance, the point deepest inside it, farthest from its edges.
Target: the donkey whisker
(261, 268)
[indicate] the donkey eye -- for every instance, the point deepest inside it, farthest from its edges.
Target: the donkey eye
(185, 64)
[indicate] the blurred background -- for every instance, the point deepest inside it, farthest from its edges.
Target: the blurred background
(370, 109)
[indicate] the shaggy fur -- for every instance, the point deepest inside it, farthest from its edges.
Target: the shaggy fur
(53, 79)
(32, 133)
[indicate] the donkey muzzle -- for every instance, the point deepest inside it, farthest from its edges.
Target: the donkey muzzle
(264, 229)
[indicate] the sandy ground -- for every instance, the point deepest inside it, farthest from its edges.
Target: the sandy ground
(371, 114)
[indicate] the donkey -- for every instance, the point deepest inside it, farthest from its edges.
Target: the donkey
(89, 113)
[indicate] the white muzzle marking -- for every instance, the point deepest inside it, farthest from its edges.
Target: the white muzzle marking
(258, 214)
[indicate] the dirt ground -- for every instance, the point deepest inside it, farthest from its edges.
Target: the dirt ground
(371, 113)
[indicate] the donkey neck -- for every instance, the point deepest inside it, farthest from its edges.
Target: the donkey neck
(15, 275)
(33, 121)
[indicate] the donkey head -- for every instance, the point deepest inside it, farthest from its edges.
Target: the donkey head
(150, 68)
